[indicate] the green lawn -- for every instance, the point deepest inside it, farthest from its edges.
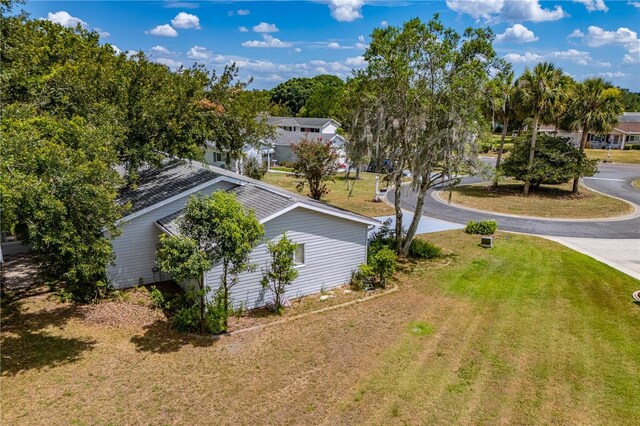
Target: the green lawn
(360, 201)
(528, 332)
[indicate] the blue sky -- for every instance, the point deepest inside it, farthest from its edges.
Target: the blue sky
(273, 41)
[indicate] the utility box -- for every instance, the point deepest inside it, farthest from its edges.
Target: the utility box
(486, 241)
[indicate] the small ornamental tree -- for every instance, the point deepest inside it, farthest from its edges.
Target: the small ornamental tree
(185, 260)
(280, 271)
(316, 164)
(556, 161)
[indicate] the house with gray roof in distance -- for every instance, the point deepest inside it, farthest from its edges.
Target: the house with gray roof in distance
(332, 242)
(289, 130)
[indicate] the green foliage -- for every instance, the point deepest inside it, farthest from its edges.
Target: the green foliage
(186, 318)
(421, 249)
(630, 100)
(182, 257)
(254, 168)
(226, 232)
(383, 265)
(280, 271)
(304, 96)
(216, 314)
(59, 183)
(556, 161)
(483, 227)
(316, 164)
(157, 298)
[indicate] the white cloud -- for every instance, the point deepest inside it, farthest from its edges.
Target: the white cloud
(274, 78)
(527, 58)
(198, 52)
(160, 49)
(517, 33)
(116, 49)
(243, 29)
(603, 64)
(101, 33)
(165, 30)
(346, 10)
(267, 41)
(297, 49)
(243, 12)
(384, 23)
(616, 74)
(168, 62)
(63, 18)
(576, 34)
(520, 10)
(355, 62)
(634, 3)
(593, 5)
(573, 55)
(333, 45)
(361, 44)
(624, 37)
(264, 27)
(186, 20)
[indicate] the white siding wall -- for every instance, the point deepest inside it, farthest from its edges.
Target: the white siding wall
(330, 128)
(135, 248)
(334, 247)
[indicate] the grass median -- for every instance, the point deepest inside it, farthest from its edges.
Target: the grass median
(548, 201)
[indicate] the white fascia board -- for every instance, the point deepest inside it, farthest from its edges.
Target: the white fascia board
(372, 222)
(178, 196)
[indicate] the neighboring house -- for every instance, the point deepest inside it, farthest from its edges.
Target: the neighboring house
(289, 130)
(332, 242)
(625, 133)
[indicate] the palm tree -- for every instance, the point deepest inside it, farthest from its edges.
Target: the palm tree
(502, 91)
(540, 89)
(595, 106)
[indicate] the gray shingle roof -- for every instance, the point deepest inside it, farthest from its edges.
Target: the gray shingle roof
(158, 184)
(299, 121)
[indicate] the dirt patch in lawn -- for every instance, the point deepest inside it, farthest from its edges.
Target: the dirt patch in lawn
(548, 201)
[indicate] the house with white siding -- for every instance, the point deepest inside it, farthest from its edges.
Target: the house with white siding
(288, 131)
(332, 242)
(625, 134)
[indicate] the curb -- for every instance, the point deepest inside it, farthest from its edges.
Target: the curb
(633, 215)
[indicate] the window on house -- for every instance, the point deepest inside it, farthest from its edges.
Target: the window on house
(633, 138)
(310, 130)
(217, 157)
(299, 255)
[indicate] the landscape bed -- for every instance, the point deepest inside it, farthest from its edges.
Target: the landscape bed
(526, 330)
(548, 201)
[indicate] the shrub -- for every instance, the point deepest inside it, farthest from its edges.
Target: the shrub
(254, 168)
(363, 278)
(421, 249)
(556, 161)
(186, 318)
(484, 227)
(215, 315)
(635, 147)
(157, 298)
(383, 265)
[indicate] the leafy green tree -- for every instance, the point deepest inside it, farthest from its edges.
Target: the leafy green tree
(185, 260)
(281, 271)
(420, 106)
(326, 99)
(594, 106)
(315, 162)
(293, 93)
(556, 161)
(540, 89)
(630, 100)
(226, 232)
(58, 181)
(501, 90)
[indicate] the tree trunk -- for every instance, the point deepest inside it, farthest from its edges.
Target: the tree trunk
(532, 153)
(201, 284)
(417, 214)
(396, 203)
(357, 172)
(583, 144)
(225, 294)
(505, 124)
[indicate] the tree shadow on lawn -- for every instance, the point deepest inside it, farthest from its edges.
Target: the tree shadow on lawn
(159, 337)
(25, 343)
(515, 190)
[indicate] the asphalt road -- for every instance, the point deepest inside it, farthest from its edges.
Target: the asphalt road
(612, 179)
